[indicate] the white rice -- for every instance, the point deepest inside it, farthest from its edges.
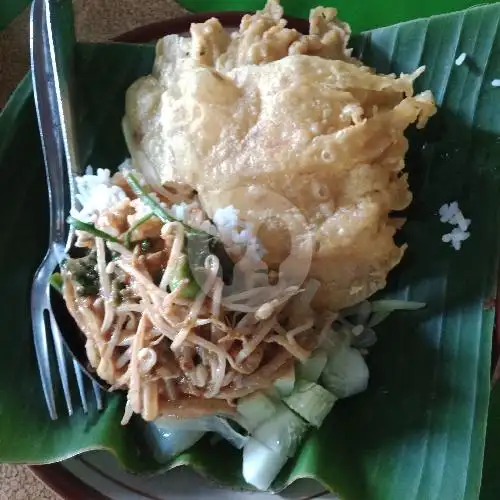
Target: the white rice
(96, 194)
(179, 210)
(234, 231)
(461, 59)
(451, 214)
(141, 210)
(456, 237)
(226, 218)
(446, 212)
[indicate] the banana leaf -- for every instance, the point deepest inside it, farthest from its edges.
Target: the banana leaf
(9, 9)
(361, 14)
(418, 432)
(490, 489)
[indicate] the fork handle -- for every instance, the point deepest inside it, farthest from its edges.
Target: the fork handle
(48, 121)
(52, 50)
(62, 44)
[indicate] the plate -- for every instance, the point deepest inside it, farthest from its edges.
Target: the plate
(96, 476)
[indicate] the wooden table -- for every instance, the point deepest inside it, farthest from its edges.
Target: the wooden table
(96, 20)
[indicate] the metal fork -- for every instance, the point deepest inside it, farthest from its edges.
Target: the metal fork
(51, 88)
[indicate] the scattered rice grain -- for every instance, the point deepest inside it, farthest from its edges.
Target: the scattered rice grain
(451, 213)
(460, 59)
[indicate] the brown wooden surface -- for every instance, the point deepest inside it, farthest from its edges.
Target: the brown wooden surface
(97, 20)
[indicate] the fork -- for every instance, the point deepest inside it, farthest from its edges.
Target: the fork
(51, 87)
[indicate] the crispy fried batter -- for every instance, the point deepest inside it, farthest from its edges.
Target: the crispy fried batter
(279, 114)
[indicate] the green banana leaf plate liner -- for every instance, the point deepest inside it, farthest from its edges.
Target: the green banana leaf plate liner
(419, 430)
(361, 14)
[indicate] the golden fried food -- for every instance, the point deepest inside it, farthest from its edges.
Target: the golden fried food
(267, 114)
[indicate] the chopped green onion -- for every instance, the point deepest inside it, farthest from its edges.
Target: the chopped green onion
(181, 273)
(91, 229)
(199, 240)
(156, 208)
(311, 401)
(140, 222)
(56, 281)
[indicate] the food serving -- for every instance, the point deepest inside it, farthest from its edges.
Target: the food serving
(283, 155)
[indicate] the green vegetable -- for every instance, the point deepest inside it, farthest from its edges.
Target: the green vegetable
(117, 286)
(167, 443)
(199, 243)
(56, 281)
(283, 432)
(358, 313)
(256, 409)
(219, 425)
(128, 234)
(91, 229)
(313, 366)
(84, 272)
(345, 373)
(273, 443)
(311, 401)
(377, 318)
(146, 245)
(182, 273)
(156, 208)
(261, 465)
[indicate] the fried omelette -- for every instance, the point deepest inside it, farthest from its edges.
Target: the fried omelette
(267, 114)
